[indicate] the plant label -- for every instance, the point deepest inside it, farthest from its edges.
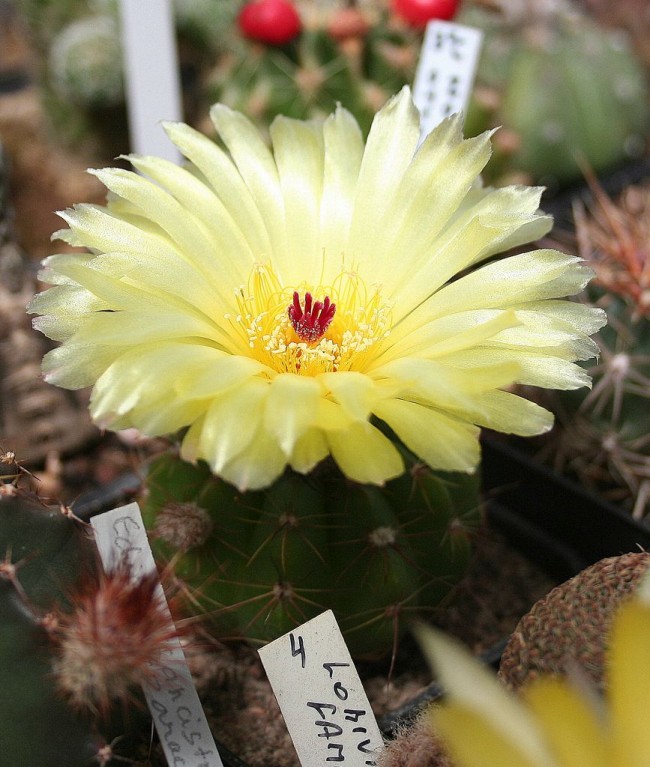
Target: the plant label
(321, 697)
(172, 699)
(445, 74)
(151, 74)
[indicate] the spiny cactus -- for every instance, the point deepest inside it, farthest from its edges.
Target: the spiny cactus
(564, 90)
(602, 436)
(355, 56)
(66, 634)
(259, 564)
(570, 625)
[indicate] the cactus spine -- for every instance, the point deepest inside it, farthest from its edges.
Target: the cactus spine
(603, 437)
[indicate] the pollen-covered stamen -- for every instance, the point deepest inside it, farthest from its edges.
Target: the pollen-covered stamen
(311, 322)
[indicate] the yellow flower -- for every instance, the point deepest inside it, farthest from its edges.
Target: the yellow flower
(282, 302)
(556, 722)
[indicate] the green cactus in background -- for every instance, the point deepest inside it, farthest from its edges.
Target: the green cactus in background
(85, 62)
(563, 89)
(349, 55)
(566, 91)
(80, 69)
(602, 437)
(55, 710)
(257, 564)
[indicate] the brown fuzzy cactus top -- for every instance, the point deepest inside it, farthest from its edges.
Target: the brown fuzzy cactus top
(570, 625)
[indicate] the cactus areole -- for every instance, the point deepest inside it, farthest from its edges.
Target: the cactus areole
(274, 22)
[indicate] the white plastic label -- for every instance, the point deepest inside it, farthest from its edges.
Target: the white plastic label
(173, 701)
(321, 697)
(445, 74)
(151, 72)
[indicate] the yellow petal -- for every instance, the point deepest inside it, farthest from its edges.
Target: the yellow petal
(258, 466)
(442, 385)
(432, 188)
(389, 150)
(364, 454)
(511, 414)
(571, 727)
(222, 176)
(533, 368)
(440, 441)
(64, 307)
(476, 232)
(298, 151)
(143, 374)
(230, 242)
(257, 168)
(76, 367)
(343, 154)
(214, 372)
(445, 335)
(473, 741)
(187, 233)
(498, 715)
(525, 277)
(629, 685)
(232, 423)
(145, 327)
(290, 409)
(309, 450)
(353, 391)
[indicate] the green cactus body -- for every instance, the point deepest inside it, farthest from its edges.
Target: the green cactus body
(273, 560)
(565, 91)
(303, 80)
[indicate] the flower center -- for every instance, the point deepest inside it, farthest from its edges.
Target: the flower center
(341, 332)
(311, 323)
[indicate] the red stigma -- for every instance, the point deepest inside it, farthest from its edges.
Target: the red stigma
(311, 322)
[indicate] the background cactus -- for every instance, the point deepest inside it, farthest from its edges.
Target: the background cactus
(602, 436)
(356, 56)
(561, 86)
(565, 90)
(80, 70)
(259, 564)
(48, 577)
(570, 626)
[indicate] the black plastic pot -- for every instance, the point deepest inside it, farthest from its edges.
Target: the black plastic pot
(553, 521)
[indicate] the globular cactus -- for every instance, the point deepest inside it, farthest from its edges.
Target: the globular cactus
(258, 564)
(602, 437)
(67, 632)
(85, 63)
(564, 90)
(569, 627)
(358, 56)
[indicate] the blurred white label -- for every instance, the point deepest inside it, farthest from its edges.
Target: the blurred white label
(172, 699)
(446, 69)
(321, 696)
